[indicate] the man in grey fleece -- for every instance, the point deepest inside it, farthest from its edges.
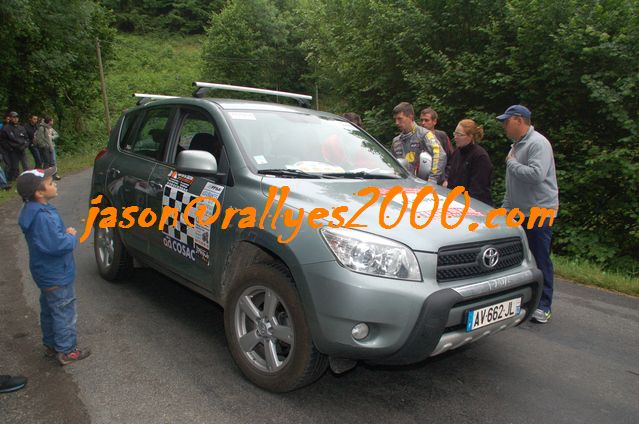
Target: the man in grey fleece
(531, 181)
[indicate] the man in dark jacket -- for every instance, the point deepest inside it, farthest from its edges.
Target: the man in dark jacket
(15, 140)
(32, 127)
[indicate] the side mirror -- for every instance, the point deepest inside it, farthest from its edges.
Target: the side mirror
(424, 165)
(196, 162)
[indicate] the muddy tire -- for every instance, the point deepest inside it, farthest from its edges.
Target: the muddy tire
(267, 332)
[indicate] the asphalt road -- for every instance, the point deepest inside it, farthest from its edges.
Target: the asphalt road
(159, 355)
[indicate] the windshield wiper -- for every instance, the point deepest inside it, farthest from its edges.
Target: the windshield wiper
(288, 173)
(363, 175)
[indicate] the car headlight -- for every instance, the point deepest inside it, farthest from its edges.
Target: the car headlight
(370, 254)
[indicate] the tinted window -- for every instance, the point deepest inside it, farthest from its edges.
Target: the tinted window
(128, 129)
(151, 138)
(198, 133)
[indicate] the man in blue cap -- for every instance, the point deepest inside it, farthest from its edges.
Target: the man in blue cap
(531, 181)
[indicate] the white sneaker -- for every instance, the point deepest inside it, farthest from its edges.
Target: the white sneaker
(541, 316)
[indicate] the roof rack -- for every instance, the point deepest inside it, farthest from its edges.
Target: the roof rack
(145, 98)
(303, 99)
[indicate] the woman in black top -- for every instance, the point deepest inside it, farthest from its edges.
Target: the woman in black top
(470, 165)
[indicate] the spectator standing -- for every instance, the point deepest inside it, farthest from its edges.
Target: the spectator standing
(14, 139)
(428, 119)
(531, 181)
(470, 165)
(413, 139)
(51, 263)
(45, 141)
(32, 127)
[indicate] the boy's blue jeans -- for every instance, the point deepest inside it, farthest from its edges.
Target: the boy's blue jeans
(58, 318)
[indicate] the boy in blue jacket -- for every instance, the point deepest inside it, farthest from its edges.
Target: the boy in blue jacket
(51, 263)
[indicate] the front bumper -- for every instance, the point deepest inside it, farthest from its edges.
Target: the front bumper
(408, 321)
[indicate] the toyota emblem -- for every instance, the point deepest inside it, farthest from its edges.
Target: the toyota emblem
(490, 257)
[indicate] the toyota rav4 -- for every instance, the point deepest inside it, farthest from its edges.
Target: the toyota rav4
(300, 295)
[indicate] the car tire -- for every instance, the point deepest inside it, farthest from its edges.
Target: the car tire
(113, 260)
(267, 332)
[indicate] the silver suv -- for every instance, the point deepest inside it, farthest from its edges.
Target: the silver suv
(301, 291)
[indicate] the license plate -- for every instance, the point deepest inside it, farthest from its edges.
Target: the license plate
(478, 318)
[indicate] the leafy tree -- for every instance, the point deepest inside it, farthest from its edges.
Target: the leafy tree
(254, 43)
(49, 58)
(574, 63)
(177, 16)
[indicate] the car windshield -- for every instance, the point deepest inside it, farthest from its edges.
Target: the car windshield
(277, 142)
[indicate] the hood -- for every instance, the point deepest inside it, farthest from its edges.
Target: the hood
(329, 194)
(29, 211)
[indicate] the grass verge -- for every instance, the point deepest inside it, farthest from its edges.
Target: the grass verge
(590, 274)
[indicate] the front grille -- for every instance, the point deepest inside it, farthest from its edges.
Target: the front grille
(464, 260)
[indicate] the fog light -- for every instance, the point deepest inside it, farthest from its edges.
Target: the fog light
(360, 331)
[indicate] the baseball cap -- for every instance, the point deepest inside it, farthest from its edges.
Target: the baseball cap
(515, 110)
(29, 181)
(12, 114)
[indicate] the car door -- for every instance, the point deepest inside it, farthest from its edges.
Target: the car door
(144, 141)
(182, 249)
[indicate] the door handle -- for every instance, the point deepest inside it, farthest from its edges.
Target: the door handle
(114, 172)
(156, 186)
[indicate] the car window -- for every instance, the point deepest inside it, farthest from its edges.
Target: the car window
(198, 132)
(309, 143)
(127, 133)
(152, 135)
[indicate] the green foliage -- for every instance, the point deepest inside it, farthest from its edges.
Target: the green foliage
(155, 16)
(150, 64)
(255, 43)
(49, 60)
(586, 272)
(574, 63)
(138, 65)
